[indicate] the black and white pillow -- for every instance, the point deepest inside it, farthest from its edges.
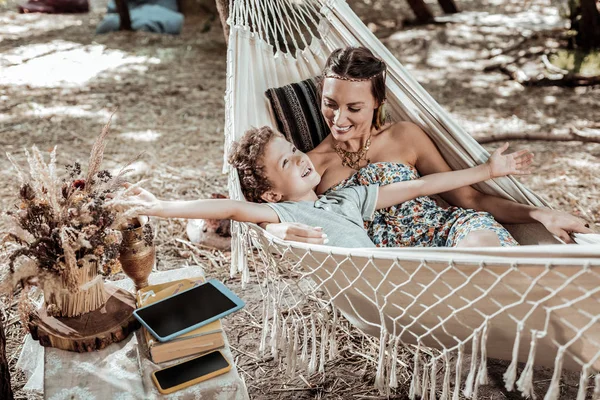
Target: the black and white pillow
(297, 110)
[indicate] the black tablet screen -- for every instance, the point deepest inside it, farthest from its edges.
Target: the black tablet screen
(185, 309)
(192, 369)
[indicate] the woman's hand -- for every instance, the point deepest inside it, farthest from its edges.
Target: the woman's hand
(562, 224)
(297, 232)
(516, 163)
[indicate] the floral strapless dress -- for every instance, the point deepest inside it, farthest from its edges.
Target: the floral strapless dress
(420, 222)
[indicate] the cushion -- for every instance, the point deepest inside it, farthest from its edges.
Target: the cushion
(298, 113)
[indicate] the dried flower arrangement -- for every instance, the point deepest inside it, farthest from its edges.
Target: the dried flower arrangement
(64, 232)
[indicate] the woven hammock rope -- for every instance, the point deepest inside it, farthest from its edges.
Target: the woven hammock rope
(537, 304)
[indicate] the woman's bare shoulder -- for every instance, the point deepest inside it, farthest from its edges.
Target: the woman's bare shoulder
(398, 142)
(400, 131)
(404, 128)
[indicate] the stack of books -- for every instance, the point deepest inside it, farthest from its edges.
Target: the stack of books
(201, 340)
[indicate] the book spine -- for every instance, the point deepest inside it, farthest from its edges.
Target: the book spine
(159, 354)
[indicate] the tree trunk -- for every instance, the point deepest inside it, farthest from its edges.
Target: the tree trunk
(223, 10)
(572, 136)
(124, 17)
(5, 387)
(421, 10)
(449, 6)
(588, 34)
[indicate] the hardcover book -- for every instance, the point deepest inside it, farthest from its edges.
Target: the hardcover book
(201, 340)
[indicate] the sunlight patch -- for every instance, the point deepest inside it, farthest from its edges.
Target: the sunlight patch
(22, 54)
(142, 136)
(497, 125)
(71, 67)
(533, 19)
(14, 26)
(39, 110)
(581, 163)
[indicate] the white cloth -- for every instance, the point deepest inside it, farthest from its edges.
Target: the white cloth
(121, 371)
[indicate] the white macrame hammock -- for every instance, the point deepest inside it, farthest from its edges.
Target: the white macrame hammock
(537, 304)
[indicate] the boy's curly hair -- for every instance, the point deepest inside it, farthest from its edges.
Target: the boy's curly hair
(247, 156)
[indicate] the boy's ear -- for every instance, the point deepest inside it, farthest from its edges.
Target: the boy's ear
(271, 197)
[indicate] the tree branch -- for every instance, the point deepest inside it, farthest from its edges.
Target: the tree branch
(560, 79)
(573, 136)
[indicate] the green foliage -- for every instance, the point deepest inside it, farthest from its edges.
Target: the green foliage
(578, 62)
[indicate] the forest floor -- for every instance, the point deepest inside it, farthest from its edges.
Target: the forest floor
(59, 83)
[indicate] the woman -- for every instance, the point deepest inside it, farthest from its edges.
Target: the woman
(362, 150)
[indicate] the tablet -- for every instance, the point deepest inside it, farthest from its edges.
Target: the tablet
(188, 310)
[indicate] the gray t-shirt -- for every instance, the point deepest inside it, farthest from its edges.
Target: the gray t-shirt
(341, 214)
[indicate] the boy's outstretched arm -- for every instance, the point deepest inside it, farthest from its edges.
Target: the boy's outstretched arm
(498, 165)
(242, 211)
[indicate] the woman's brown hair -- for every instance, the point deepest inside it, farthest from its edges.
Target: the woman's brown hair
(359, 63)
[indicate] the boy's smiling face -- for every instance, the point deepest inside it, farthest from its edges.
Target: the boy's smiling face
(290, 172)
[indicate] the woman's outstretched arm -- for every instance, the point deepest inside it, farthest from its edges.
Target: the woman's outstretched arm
(430, 161)
(498, 165)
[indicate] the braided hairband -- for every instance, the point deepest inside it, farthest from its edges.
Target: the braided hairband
(346, 78)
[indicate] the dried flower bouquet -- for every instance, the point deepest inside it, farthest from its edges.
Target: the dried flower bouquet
(64, 232)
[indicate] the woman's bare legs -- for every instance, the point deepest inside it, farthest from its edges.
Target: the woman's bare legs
(480, 238)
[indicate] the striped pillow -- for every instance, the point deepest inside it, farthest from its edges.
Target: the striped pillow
(297, 110)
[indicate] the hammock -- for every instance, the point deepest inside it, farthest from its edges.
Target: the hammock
(537, 304)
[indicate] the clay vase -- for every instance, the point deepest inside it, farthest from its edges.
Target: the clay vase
(138, 254)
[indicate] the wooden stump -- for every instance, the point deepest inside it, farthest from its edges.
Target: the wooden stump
(91, 331)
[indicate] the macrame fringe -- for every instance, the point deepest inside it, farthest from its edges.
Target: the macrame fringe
(425, 384)
(458, 373)
(446, 385)
(265, 327)
(393, 367)
(469, 390)
(312, 365)
(239, 247)
(583, 382)
(292, 348)
(304, 355)
(324, 336)
(283, 340)
(333, 345)
(415, 383)
(380, 376)
(511, 372)
(525, 382)
(554, 389)
(482, 376)
(275, 330)
(433, 379)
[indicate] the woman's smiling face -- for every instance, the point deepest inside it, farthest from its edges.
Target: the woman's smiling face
(348, 108)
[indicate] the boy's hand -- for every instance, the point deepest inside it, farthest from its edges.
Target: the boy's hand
(145, 199)
(516, 163)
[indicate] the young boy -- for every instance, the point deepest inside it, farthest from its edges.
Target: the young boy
(278, 180)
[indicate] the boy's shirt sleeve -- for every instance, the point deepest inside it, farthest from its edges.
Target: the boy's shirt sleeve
(364, 197)
(284, 211)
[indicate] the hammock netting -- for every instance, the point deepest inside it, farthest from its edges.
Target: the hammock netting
(536, 303)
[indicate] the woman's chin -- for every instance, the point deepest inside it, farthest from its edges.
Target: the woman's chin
(342, 136)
